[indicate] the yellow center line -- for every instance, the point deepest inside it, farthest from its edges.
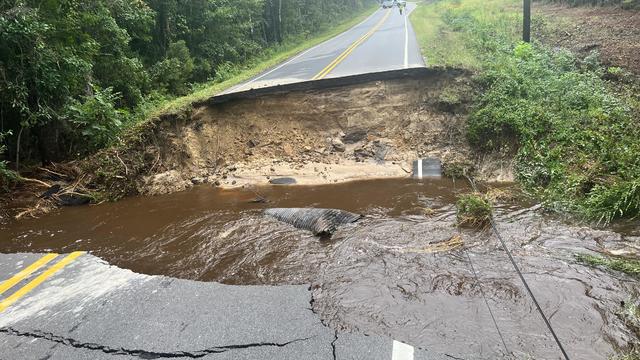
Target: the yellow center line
(39, 280)
(324, 72)
(8, 284)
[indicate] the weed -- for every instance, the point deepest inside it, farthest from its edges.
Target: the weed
(458, 169)
(473, 210)
(631, 355)
(627, 266)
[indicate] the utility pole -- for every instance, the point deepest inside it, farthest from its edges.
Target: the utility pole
(526, 21)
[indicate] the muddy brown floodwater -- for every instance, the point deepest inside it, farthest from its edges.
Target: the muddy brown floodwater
(405, 270)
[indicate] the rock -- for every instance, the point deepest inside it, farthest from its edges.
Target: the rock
(338, 145)
(73, 199)
(252, 143)
(258, 200)
(287, 149)
(354, 136)
(51, 191)
(198, 180)
(361, 154)
(380, 150)
(164, 183)
(283, 181)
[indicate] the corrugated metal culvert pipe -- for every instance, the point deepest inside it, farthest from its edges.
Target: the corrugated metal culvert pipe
(322, 222)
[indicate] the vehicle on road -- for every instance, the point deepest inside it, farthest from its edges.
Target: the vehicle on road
(387, 4)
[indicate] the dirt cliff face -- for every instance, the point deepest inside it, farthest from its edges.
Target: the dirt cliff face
(368, 130)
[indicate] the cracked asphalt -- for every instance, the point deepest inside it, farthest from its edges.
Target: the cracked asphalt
(92, 310)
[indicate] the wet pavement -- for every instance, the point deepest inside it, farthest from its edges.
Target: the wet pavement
(404, 272)
(91, 310)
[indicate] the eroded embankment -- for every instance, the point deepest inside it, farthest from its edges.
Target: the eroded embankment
(372, 129)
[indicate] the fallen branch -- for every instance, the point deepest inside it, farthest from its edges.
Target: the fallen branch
(126, 170)
(53, 172)
(36, 181)
(155, 163)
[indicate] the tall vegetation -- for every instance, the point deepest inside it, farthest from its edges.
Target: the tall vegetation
(75, 72)
(574, 134)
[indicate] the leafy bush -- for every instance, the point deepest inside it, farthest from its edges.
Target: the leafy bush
(173, 73)
(7, 176)
(576, 141)
(474, 210)
(96, 118)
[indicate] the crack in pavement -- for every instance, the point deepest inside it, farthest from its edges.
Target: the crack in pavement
(333, 344)
(143, 354)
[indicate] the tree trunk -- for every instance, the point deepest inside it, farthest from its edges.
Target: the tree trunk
(18, 150)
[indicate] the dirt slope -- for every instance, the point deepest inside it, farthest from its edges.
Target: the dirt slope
(612, 31)
(369, 130)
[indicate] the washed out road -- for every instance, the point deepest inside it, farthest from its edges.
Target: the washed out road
(384, 41)
(76, 306)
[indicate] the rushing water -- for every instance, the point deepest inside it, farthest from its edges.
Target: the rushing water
(405, 270)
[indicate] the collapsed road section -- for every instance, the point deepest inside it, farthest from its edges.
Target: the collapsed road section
(91, 310)
(319, 132)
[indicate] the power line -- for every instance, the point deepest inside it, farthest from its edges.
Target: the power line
(524, 282)
(495, 323)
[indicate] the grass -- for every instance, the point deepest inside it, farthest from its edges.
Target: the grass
(237, 75)
(473, 210)
(627, 266)
(438, 28)
(633, 355)
(440, 46)
(572, 130)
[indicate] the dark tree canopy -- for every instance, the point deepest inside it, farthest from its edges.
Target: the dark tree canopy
(72, 71)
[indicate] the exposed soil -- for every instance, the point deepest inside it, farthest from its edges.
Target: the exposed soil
(354, 132)
(317, 136)
(612, 31)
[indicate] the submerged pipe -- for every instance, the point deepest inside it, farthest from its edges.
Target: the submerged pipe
(322, 222)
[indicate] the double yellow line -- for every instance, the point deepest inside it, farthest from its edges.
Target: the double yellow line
(24, 273)
(324, 72)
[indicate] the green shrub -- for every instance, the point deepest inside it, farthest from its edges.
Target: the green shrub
(173, 73)
(95, 119)
(576, 140)
(7, 176)
(474, 210)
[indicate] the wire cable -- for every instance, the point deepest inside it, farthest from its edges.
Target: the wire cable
(524, 281)
(495, 323)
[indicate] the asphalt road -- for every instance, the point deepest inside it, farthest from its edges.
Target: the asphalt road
(384, 41)
(88, 309)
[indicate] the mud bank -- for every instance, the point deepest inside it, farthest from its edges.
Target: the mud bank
(336, 133)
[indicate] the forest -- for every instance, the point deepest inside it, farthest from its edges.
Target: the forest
(74, 73)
